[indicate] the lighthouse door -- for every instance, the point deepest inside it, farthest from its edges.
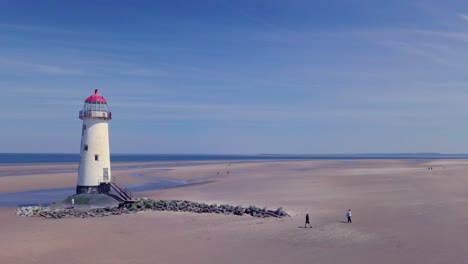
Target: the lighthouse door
(105, 174)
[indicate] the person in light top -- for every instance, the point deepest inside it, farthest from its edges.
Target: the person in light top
(348, 215)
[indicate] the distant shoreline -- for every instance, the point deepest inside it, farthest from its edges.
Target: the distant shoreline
(18, 158)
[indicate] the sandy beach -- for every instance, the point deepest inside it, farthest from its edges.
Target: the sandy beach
(402, 213)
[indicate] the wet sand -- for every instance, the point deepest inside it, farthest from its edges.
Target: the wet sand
(402, 213)
(16, 178)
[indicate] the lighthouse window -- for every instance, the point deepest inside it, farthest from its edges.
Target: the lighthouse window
(85, 147)
(96, 157)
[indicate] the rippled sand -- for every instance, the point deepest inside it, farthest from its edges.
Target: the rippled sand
(402, 213)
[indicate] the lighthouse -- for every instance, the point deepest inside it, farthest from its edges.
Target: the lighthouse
(94, 172)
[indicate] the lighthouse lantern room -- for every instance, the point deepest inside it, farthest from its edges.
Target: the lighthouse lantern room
(94, 172)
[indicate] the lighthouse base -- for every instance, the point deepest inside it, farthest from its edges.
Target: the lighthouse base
(102, 188)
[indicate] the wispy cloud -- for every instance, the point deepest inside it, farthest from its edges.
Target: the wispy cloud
(34, 28)
(422, 51)
(187, 110)
(55, 70)
(20, 67)
(460, 35)
(77, 66)
(463, 16)
(250, 16)
(144, 72)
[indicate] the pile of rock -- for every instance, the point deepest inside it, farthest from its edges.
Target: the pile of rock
(71, 213)
(29, 210)
(153, 205)
(194, 207)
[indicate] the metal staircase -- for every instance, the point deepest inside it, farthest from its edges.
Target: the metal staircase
(123, 192)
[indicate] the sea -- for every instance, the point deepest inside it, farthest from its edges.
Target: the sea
(28, 158)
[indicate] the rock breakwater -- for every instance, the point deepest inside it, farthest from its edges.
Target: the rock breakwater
(151, 205)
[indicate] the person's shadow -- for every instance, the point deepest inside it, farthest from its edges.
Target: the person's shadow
(343, 222)
(302, 227)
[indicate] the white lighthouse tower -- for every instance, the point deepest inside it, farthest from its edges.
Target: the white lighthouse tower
(94, 172)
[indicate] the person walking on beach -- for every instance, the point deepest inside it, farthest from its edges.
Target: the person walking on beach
(348, 215)
(73, 202)
(307, 221)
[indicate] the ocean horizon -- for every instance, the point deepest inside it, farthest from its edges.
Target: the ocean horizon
(26, 158)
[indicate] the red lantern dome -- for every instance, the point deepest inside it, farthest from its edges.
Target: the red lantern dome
(95, 107)
(95, 98)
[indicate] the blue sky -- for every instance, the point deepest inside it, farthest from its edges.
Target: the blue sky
(237, 76)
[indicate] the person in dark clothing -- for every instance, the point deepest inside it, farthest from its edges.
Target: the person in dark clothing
(307, 221)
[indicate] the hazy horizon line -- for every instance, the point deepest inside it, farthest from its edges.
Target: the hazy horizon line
(245, 154)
